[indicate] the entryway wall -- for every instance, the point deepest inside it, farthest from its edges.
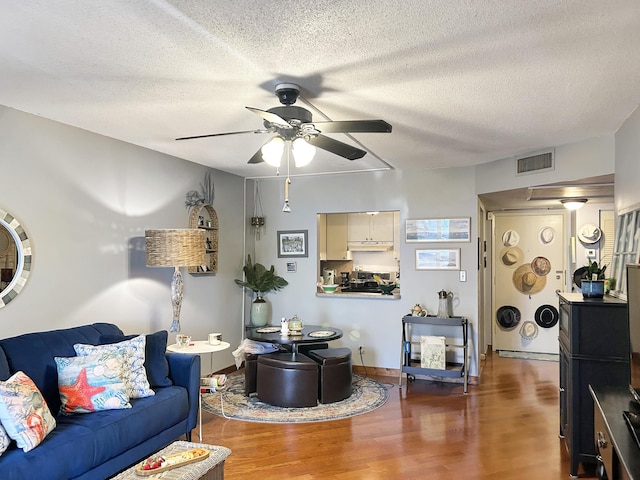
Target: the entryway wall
(529, 267)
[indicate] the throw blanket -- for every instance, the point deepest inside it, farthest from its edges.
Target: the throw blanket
(251, 346)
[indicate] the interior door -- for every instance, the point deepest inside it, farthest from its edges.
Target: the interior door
(528, 265)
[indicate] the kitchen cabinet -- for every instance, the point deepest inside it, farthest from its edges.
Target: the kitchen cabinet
(367, 227)
(336, 231)
(412, 367)
(594, 350)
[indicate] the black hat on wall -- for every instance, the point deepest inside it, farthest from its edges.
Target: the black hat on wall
(546, 316)
(508, 316)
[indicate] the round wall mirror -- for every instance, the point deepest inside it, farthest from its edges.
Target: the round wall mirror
(15, 257)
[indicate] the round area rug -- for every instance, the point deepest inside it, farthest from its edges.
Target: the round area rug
(367, 395)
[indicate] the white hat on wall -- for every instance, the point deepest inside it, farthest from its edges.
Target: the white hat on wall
(510, 238)
(589, 233)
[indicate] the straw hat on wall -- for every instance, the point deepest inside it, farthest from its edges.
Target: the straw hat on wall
(511, 256)
(526, 281)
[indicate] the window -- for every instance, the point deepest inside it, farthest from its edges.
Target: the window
(626, 249)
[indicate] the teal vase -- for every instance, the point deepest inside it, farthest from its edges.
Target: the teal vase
(259, 312)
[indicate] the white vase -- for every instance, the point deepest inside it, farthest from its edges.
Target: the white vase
(259, 312)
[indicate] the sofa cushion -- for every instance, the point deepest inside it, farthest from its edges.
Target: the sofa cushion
(82, 442)
(33, 354)
(91, 383)
(23, 412)
(4, 366)
(132, 351)
(155, 361)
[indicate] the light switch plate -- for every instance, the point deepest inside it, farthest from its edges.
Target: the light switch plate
(463, 275)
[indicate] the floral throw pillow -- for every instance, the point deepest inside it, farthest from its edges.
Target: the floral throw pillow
(4, 440)
(132, 351)
(24, 412)
(91, 383)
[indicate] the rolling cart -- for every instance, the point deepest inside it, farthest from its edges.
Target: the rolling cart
(413, 367)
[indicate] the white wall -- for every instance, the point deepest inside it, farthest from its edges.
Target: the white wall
(85, 201)
(628, 163)
(375, 324)
(627, 185)
(588, 158)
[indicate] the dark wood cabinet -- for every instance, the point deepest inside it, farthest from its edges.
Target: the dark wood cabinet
(594, 350)
(616, 446)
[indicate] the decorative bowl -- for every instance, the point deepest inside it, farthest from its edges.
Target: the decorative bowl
(387, 289)
(329, 288)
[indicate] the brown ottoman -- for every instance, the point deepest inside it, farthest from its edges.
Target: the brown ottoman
(287, 380)
(335, 380)
(250, 373)
(305, 348)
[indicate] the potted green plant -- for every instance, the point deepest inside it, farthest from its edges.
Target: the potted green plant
(261, 281)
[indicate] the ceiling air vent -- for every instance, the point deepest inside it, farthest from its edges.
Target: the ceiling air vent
(535, 163)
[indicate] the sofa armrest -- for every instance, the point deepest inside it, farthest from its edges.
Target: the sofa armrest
(184, 370)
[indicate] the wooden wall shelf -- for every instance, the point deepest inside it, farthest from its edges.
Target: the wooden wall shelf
(205, 217)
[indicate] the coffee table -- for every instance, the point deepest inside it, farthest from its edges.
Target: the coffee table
(211, 468)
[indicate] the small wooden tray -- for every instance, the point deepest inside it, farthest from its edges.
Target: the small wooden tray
(179, 459)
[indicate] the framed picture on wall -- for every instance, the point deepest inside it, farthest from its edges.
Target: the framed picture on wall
(438, 230)
(292, 243)
(438, 259)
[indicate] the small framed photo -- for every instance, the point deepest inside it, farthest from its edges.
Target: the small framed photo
(293, 243)
(292, 267)
(438, 259)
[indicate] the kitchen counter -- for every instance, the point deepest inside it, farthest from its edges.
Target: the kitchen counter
(374, 296)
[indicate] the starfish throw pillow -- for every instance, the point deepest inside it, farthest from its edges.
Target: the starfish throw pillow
(91, 383)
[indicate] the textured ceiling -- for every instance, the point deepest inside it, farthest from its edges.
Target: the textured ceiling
(461, 82)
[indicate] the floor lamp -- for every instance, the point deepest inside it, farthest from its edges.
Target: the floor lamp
(175, 248)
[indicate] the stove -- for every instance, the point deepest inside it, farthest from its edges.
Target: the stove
(365, 283)
(361, 289)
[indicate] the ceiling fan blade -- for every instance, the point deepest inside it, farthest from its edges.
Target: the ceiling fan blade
(339, 148)
(353, 126)
(222, 134)
(270, 117)
(257, 157)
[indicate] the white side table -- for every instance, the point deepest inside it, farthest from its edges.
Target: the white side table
(199, 347)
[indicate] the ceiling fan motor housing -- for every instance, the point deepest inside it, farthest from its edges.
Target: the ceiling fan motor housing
(296, 116)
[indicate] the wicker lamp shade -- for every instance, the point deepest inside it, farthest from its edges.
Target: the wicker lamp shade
(175, 248)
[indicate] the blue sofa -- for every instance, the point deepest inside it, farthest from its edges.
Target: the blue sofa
(100, 444)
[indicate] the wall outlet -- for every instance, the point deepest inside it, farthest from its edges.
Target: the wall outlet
(463, 275)
(361, 350)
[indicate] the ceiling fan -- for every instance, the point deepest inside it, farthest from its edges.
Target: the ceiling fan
(294, 124)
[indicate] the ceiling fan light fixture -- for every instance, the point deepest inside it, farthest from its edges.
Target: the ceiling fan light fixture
(573, 203)
(272, 151)
(303, 152)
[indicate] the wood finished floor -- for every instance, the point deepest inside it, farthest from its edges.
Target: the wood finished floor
(506, 428)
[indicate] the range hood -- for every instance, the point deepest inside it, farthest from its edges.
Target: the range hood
(369, 246)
